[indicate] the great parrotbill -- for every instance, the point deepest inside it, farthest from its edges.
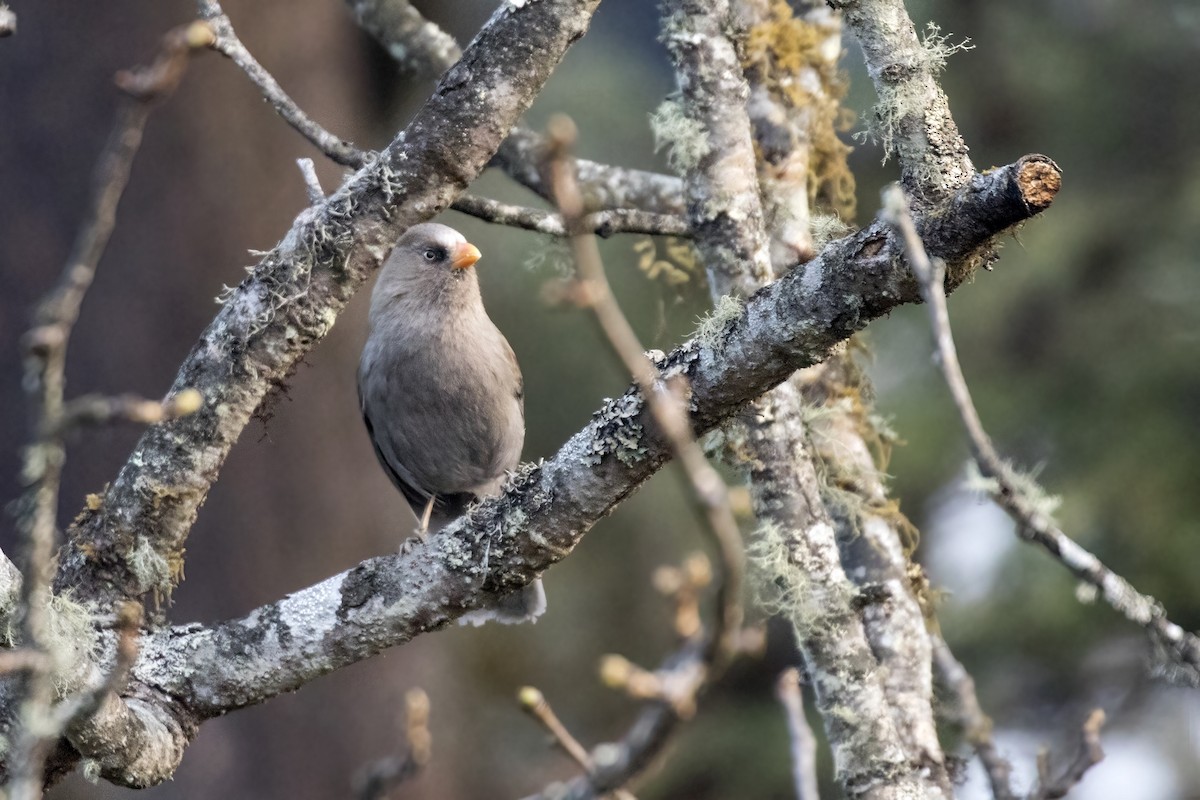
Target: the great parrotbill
(440, 390)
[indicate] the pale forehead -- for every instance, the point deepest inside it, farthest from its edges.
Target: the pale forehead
(433, 233)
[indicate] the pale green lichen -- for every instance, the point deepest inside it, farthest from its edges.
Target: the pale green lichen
(775, 584)
(826, 228)
(684, 138)
(550, 254)
(618, 432)
(1025, 484)
(150, 568)
(908, 98)
(91, 770)
(938, 48)
(70, 633)
(711, 327)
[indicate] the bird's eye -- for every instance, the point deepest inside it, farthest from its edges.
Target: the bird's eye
(431, 255)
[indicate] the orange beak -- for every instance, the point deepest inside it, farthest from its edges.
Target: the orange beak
(465, 255)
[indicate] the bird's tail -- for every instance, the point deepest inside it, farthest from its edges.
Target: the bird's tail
(523, 605)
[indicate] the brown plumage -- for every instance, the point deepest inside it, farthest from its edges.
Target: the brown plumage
(440, 389)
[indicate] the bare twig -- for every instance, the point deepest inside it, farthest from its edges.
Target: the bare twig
(226, 42)
(312, 184)
(1088, 754)
(663, 396)
(703, 656)
(1018, 494)
(95, 409)
(22, 660)
(378, 779)
(602, 223)
(969, 715)
(534, 703)
(45, 361)
(804, 744)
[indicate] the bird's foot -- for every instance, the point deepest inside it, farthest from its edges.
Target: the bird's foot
(422, 531)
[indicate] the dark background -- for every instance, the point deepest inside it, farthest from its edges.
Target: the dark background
(1082, 349)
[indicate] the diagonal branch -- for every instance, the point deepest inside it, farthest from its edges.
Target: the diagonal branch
(227, 43)
(1017, 494)
(546, 508)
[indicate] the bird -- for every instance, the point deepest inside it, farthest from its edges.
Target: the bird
(441, 392)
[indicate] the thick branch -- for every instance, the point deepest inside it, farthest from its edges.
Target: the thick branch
(546, 508)
(902, 748)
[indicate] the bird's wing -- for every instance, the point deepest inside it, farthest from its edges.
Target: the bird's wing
(446, 504)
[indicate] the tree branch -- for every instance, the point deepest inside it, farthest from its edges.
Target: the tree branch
(804, 744)
(601, 223)
(426, 49)
(45, 362)
(969, 715)
(912, 115)
(227, 43)
(775, 449)
(1018, 494)
(504, 542)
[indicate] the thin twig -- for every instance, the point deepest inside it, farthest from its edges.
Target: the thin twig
(665, 401)
(534, 703)
(312, 184)
(1017, 494)
(96, 409)
(1088, 754)
(804, 744)
(22, 660)
(702, 657)
(227, 43)
(969, 715)
(602, 223)
(45, 360)
(378, 779)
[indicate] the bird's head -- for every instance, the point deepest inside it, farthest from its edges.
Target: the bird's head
(430, 261)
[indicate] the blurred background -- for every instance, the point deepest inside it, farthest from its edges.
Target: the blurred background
(1082, 348)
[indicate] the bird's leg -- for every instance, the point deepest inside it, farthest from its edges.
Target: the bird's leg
(424, 529)
(418, 539)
